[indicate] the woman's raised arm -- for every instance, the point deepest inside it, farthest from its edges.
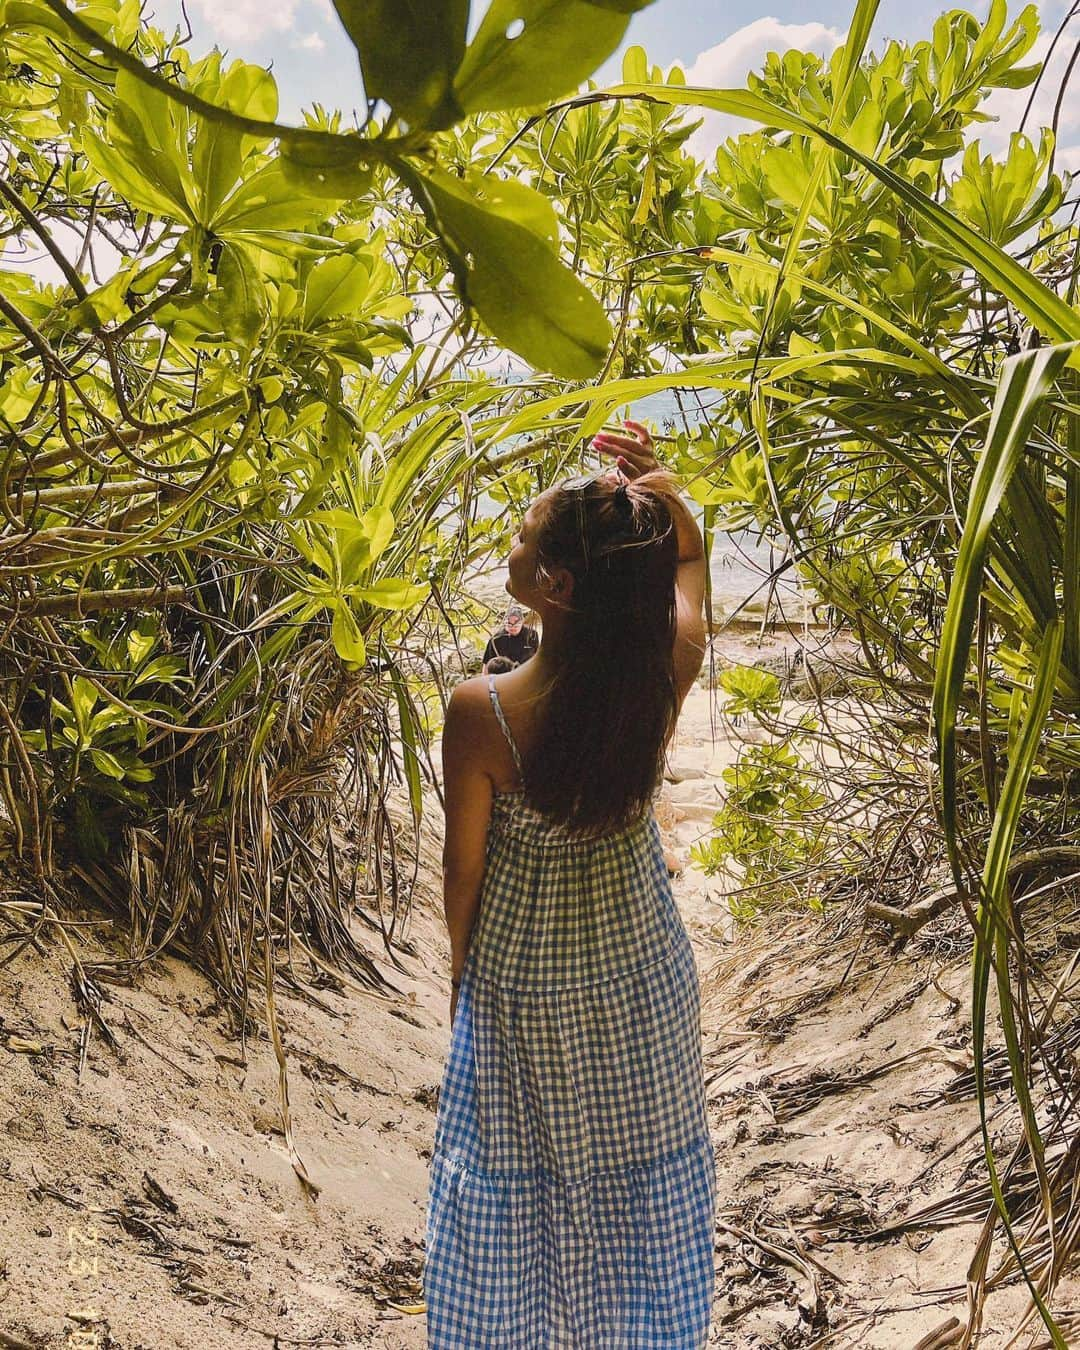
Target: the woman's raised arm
(635, 456)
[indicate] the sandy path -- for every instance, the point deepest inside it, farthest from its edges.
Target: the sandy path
(163, 1169)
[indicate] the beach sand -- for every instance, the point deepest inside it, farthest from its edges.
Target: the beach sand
(165, 1162)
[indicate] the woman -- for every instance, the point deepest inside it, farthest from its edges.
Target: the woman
(572, 1194)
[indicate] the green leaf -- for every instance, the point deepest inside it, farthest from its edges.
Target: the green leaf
(531, 303)
(378, 525)
(219, 149)
(288, 243)
(331, 170)
(335, 287)
(635, 66)
(84, 699)
(390, 593)
(139, 646)
(24, 14)
(120, 166)
(364, 546)
(265, 201)
(337, 518)
(107, 764)
(243, 294)
(409, 51)
(20, 392)
(152, 131)
(528, 52)
(345, 634)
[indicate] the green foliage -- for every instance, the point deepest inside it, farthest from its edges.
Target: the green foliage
(539, 48)
(417, 63)
(750, 691)
(767, 827)
(530, 302)
(1005, 199)
(229, 464)
(409, 54)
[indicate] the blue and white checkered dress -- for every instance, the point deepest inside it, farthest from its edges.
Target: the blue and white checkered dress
(572, 1191)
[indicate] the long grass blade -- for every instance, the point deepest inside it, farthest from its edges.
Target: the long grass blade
(992, 937)
(1024, 381)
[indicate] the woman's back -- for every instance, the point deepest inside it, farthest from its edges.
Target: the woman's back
(572, 1131)
(523, 703)
(558, 910)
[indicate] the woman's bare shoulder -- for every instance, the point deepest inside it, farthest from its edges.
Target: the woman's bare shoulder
(470, 703)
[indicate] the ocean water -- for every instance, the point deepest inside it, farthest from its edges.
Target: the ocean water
(741, 562)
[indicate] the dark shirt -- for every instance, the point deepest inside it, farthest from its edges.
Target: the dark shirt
(518, 646)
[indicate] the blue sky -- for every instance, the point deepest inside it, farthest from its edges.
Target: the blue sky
(313, 61)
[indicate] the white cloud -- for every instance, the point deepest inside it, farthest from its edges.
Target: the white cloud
(312, 42)
(726, 66)
(239, 19)
(28, 255)
(1008, 105)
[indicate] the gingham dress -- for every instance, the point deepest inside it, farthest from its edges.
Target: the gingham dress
(572, 1191)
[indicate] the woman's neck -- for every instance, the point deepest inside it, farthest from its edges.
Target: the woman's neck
(539, 672)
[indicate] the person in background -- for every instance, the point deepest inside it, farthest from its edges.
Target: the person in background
(516, 640)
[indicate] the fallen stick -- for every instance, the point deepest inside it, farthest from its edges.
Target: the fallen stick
(947, 1334)
(907, 922)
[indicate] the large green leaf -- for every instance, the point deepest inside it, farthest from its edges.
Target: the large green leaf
(124, 174)
(390, 593)
(346, 635)
(363, 547)
(329, 169)
(409, 51)
(335, 287)
(243, 294)
(532, 303)
(144, 152)
(265, 201)
(219, 150)
(530, 51)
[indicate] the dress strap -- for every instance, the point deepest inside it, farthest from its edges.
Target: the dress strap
(497, 706)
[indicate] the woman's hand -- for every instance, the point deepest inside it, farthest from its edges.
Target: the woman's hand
(634, 454)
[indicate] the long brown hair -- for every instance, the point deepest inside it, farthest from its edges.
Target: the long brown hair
(597, 758)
